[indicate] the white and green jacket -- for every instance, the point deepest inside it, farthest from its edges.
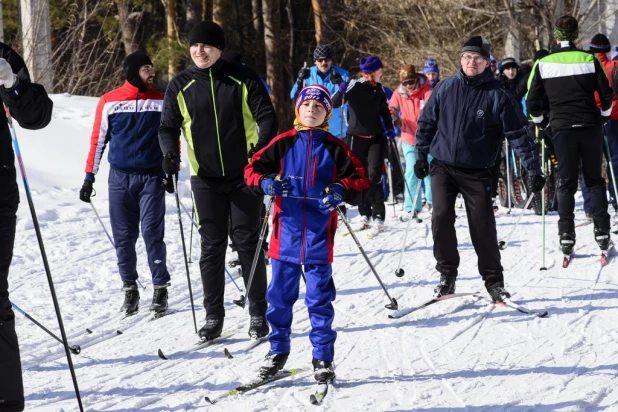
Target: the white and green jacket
(569, 78)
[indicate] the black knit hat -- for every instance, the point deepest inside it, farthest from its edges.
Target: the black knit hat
(207, 32)
(322, 51)
(600, 44)
(539, 54)
(508, 62)
(130, 68)
(478, 45)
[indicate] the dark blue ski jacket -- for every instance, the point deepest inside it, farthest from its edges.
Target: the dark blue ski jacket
(465, 119)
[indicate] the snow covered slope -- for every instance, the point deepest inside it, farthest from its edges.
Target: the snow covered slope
(462, 354)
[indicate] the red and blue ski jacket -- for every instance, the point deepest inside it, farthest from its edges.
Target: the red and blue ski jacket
(129, 120)
(312, 159)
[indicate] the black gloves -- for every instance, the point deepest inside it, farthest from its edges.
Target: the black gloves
(536, 183)
(421, 169)
(170, 163)
(336, 78)
(85, 192)
(168, 183)
(605, 119)
(303, 74)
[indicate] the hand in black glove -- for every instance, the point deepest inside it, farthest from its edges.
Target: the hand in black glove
(605, 119)
(542, 124)
(303, 74)
(536, 183)
(336, 78)
(168, 183)
(421, 169)
(170, 163)
(85, 192)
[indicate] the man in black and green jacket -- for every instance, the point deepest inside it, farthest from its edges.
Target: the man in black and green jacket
(225, 115)
(569, 78)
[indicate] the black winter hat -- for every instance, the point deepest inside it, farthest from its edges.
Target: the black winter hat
(508, 62)
(207, 32)
(478, 45)
(539, 54)
(600, 44)
(322, 51)
(131, 66)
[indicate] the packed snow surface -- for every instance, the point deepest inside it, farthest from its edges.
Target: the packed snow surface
(462, 354)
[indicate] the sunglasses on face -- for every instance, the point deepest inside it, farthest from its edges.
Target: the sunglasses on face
(322, 60)
(409, 82)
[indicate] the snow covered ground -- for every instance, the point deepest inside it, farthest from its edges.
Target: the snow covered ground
(462, 354)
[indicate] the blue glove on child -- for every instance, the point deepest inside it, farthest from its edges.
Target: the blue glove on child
(333, 196)
(272, 185)
(343, 87)
(390, 134)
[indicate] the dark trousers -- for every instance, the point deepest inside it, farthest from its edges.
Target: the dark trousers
(475, 187)
(574, 147)
(216, 199)
(396, 174)
(611, 131)
(135, 199)
(11, 386)
(370, 151)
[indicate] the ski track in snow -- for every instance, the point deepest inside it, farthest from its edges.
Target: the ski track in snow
(461, 354)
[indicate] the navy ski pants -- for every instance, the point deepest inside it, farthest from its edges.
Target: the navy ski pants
(611, 131)
(134, 199)
(281, 295)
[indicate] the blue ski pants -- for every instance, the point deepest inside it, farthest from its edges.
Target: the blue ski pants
(281, 295)
(413, 181)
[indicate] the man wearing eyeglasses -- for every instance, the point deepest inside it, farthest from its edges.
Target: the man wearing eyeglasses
(328, 75)
(128, 118)
(462, 126)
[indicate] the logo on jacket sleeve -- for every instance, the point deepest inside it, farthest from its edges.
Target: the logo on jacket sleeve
(480, 113)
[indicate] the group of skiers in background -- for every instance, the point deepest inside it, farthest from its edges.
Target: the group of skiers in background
(451, 130)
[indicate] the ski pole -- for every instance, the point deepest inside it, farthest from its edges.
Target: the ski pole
(543, 200)
(508, 176)
(108, 236)
(390, 185)
(504, 243)
(76, 349)
(393, 305)
(191, 236)
(611, 168)
(184, 249)
(243, 299)
(195, 225)
(400, 272)
(394, 147)
(39, 237)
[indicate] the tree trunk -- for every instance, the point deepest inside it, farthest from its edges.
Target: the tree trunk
(192, 14)
(36, 41)
(272, 28)
(511, 45)
(129, 24)
(317, 20)
(207, 9)
(218, 12)
(258, 33)
(171, 37)
(1, 23)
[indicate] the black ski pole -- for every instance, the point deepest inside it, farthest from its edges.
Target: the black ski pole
(39, 237)
(184, 249)
(108, 236)
(393, 305)
(543, 203)
(400, 272)
(243, 299)
(75, 349)
(191, 235)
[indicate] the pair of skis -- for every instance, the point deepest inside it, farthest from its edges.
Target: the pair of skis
(206, 343)
(604, 259)
(507, 303)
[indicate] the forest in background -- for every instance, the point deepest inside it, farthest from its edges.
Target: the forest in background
(90, 38)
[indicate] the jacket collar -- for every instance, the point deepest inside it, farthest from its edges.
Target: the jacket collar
(315, 134)
(477, 80)
(564, 46)
(215, 69)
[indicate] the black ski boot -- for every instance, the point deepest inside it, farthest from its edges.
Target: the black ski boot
(131, 298)
(445, 287)
(273, 363)
(498, 293)
(602, 237)
(323, 371)
(159, 298)
(212, 329)
(258, 327)
(567, 242)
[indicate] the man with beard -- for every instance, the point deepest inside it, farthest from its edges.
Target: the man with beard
(129, 118)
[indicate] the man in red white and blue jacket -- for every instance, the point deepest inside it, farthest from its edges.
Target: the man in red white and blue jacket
(128, 119)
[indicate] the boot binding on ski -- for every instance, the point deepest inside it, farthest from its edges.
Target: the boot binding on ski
(273, 363)
(131, 298)
(323, 371)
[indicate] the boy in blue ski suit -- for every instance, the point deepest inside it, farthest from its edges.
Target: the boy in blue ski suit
(310, 172)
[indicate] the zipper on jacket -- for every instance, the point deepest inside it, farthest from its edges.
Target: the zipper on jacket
(214, 108)
(315, 166)
(307, 170)
(276, 225)
(135, 129)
